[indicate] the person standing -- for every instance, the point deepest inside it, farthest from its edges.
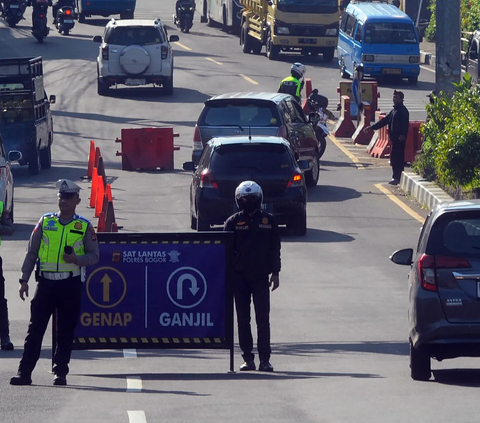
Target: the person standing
(398, 122)
(257, 255)
(61, 244)
(6, 229)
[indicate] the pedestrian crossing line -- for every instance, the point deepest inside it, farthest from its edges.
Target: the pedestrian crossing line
(134, 384)
(400, 203)
(136, 416)
(357, 163)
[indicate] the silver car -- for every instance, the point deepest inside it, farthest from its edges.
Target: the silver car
(444, 290)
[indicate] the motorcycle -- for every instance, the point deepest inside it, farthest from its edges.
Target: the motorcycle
(13, 12)
(184, 16)
(64, 21)
(316, 104)
(40, 29)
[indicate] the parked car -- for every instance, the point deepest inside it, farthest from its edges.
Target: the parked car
(6, 177)
(227, 161)
(135, 52)
(266, 114)
(444, 291)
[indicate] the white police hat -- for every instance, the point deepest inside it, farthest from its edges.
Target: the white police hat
(66, 186)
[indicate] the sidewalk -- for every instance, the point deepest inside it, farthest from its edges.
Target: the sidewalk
(427, 53)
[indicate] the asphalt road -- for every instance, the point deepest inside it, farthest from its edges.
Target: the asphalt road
(339, 318)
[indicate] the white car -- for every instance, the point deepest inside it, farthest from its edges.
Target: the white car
(135, 52)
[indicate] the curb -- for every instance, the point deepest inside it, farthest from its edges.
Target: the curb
(425, 192)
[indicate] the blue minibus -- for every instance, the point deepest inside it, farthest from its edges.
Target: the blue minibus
(380, 38)
(124, 8)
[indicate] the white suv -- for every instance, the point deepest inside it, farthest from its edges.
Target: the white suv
(135, 52)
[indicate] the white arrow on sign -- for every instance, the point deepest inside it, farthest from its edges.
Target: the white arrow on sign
(193, 289)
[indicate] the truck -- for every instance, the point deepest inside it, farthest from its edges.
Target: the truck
(306, 26)
(26, 122)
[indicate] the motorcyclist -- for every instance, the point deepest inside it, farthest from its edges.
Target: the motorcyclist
(35, 4)
(293, 84)
(59, 4)
(178, 7)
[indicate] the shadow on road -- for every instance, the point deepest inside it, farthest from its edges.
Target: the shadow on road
(460, 377)
(331, 194)
(315, 235)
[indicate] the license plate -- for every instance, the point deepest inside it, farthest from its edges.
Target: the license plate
(390, 71)
(68, 21)
(14, 6)
(307, 41)
(133, 81)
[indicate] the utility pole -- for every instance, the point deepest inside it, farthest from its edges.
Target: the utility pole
(448, 69)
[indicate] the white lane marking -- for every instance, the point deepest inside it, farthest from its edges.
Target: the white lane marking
(129, 353)
(248, 79)
(214, 61)
(136, 416)
(427, 68)
(134, 384)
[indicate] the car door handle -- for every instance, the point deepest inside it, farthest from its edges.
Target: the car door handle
(461, 276)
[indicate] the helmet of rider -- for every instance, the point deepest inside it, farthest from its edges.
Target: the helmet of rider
(298, 70)
(249, 196)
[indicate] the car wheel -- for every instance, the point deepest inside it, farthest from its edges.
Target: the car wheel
(81, 18)
(168, 86)
(273, 51)
(46, 157)
(328, 55)
(34, 163)
(312, 175)
(299, 226)
(102, 88)
(413, 80)
(419, 363)
(343, 72)
(224, 19)
(202, 224)
(193, 221)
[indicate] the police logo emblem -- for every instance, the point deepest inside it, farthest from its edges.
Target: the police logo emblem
(78, 225)
(265, 220)
(116, 256)
(174, 256)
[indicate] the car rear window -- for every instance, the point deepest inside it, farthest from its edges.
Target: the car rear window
(142, 36)
(240, 113)
(458, 235)
(270, 159)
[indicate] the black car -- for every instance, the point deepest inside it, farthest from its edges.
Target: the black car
(227, 161)
(264, 114)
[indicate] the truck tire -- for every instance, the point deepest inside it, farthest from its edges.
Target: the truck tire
(273, 51)
(257, 47)
(34, 163)
(328, 55)
(45, 156)
(246, 40)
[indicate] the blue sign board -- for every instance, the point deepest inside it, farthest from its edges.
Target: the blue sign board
(158, 291)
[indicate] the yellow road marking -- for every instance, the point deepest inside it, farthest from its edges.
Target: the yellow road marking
(346, 152)
(248, 79)
(400, 203)
(181, 45)
(214, 61)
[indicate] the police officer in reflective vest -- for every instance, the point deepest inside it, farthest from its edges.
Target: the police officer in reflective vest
(6, 228)
(61, 245)
(293, 84)
(257, 255)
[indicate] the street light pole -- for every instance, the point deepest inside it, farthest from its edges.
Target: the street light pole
(447, 38)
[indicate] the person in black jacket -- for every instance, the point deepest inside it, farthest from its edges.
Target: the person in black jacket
(257, 255)
(398, 122)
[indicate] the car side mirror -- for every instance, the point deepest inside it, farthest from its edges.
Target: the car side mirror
(174, 38)
(303, 164)
(189, 166)
(14, 156)
(403, 257)
(52, 99)
(97, 39)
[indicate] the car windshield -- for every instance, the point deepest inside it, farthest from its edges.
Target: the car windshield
(126, 36)
(241, 114)
(389, 33)
(308, 6)
(268, 159)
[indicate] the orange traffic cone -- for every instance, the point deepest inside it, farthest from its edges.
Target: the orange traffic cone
(101, 223)
(91, 160)
(114, 227)
(109, 192)
(101, 171)
(93, 189)
(99, 196)
(97, 156)
(110, 217)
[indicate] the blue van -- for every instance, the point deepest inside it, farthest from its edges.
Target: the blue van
(124, 8)
(381, 38)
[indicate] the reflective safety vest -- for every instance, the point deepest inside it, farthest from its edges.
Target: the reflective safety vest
(292, 86)
(55, 237)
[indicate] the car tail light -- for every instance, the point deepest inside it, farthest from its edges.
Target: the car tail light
(68, 12)
(282, 132)
(427, 266)
(207, 180)
(295, 180)
(197, 139)
(105, 53)
(42, 16)
(164, 52)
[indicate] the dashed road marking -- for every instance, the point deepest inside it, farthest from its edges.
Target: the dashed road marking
(400, 203)
(129, 353)
(214, 61)
(136, 416)
(248, 79)
(181, 45)
(134, 384)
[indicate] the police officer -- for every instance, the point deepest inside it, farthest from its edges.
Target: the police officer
(257, 255)
(6, 228)
(293, 84)
(61, 244)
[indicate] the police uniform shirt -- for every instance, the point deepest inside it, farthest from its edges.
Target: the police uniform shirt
(90, 242)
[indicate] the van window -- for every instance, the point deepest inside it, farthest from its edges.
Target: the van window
(390, 33)
(350, 27)
(359, 32)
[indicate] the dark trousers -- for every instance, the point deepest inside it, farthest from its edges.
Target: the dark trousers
(3, 304)
(245, 288)
(397, 158)
(65, 296)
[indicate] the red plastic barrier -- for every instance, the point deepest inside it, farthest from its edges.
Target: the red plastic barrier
(147, 148)
(414, 140)
(370, 94)
(308, 91)
(344, 127)
(383, 146)
(361, 137)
